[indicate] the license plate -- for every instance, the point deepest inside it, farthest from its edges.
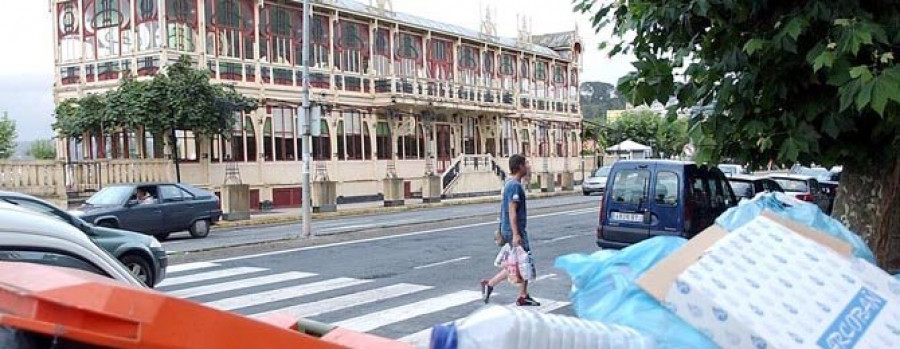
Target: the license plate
(628, 217)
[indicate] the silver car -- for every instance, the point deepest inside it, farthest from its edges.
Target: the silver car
(29, 237)
(596, 183)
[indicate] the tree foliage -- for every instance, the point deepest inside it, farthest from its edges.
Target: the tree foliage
(596, 98)
(42, 149)
(667, 136)
(808, 81)
(7, 137)
(183, 98)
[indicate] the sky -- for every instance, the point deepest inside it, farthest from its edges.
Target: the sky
(26, 71)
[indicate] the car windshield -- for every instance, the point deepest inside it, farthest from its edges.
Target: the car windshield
(602, 172)
(793, 185)
(742, 189)
(111, 196)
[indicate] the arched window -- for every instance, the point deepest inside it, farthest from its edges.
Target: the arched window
(322, 144)
(383, 140)
(268, 153)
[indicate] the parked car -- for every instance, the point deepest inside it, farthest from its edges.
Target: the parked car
(31, 237)
(805, 188)
(746, 187)
(821, 174)
(143, 255)
(733, 170)
(647, 198)
(596, 183)
(170, 208)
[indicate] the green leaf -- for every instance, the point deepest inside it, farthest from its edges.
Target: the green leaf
(753, 45)
(825, 59)
(862, 73)
(864, 96)
(794, 27)
(848, 93)
(789, 151)
(830, 126)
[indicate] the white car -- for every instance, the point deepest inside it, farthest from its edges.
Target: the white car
(596, 183)
(29, 237)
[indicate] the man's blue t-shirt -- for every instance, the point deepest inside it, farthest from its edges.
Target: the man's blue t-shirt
(513, 192)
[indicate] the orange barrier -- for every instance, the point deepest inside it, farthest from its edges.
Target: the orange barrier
(93, 310)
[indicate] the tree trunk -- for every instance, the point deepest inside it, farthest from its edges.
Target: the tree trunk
(868, 203)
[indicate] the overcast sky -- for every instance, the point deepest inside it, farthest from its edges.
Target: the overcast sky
(26, 67)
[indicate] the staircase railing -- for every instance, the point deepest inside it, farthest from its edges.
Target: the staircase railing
(451, 174)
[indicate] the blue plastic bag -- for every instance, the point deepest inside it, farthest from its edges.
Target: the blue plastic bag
(802, 212)
(604, 289)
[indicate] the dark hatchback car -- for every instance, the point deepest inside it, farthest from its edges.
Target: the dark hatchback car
(806, 188)
(142, 255)
(746, 187)
(647, 198)
(170, 208)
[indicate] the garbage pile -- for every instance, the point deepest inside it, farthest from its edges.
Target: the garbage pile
(773, 272)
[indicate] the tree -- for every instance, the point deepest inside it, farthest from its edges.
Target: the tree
(42, 149)
(7, 137)
(667, 136)
(789, 81)
(599, 97)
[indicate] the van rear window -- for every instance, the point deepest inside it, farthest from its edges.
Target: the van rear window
(630, 186)
(793, 185)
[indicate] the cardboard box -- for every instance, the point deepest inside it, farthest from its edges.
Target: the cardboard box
(777, 284)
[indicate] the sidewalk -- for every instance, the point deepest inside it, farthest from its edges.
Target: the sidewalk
(292, 215)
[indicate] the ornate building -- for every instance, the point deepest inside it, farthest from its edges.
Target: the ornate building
(401, 95)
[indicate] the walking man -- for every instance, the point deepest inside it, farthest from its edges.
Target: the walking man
(513, 226)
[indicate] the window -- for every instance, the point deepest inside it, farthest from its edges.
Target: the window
(322, 144)
(700, 189)
(173, 193)
(469, 130)
(382, 61)
(440, 59)
(666, 191)
(630, 186)
(283, 133)
(383, 140)
(109, 196)
(507, 65)
(278, 35)
(742, 189)
(350, 136)
(319, 41)
(412, 146)
(41, 208)
(352, 46)
(49, 257)
(181, 16)
(267, 140)
(526, 143)
(187, 145)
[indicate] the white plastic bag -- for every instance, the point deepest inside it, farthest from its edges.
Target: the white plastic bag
(501, 257)
(526, 265)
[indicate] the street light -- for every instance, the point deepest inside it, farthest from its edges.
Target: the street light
(306, 127)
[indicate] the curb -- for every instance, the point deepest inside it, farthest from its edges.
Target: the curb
(288, 219)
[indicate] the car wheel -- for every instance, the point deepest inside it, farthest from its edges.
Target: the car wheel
(161, 237)
(586, 193)
(139, 267)
(200, 228)
(108, 224)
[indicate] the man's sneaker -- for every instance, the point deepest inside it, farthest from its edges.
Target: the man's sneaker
(527, 301)
(486, 290)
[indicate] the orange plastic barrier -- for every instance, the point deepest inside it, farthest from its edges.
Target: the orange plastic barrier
(93, 310)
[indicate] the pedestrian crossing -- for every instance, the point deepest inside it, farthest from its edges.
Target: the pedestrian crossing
(397, 310)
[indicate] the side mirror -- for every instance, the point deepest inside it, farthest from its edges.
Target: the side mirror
(131, 203)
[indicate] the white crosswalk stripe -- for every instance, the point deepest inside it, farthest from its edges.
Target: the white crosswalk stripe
(373, 321)
(239, 284)
(210, 275)
(286, 293)
(281, 294)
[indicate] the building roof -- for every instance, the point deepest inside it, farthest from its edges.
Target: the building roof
(629, 145)
(556, 41)
(356, 7)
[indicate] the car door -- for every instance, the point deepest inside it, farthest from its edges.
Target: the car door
(146, 218)
(628, 218)
(177, 209)
(665, 204)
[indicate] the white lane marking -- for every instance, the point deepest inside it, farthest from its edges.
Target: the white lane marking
(210, 275)
(581, 212)
(281, 294)
(380, 238)
(561, 238)
(189, 266)
(544, 277)
(460, 259)
(239, 284)
(347, 301)
(345, 227)
(383, 318)
(422, 338)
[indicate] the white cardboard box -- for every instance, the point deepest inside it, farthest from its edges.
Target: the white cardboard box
(769, 286)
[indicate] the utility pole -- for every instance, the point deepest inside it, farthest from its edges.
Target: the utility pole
(306, 125)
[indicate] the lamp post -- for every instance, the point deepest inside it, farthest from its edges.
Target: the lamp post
(306, 126)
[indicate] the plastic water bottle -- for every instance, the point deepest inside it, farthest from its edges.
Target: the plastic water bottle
(505, 327)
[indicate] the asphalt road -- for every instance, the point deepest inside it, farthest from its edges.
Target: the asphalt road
(393, 282)
(219, 238)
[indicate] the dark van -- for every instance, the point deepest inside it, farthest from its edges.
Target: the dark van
(647, 198)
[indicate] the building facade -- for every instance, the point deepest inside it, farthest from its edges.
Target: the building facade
(400, 95)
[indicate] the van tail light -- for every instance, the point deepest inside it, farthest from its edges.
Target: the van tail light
(806, 197)
(602, 209)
